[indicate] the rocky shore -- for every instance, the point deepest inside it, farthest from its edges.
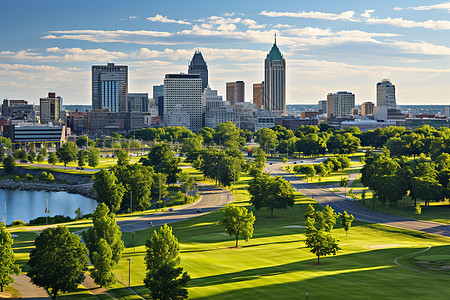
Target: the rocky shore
(82, 189)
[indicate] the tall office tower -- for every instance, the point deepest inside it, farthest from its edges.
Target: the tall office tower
(137, 102)
(158, 95)
(197, 65)
(110, 87)
(323, 106)
(386, 94)
(210, 99)
(235, 92)
(50, 109)
(340, 104)
(183, 100)
(275, 80)
(447, 111)
(258, 94)
(367, 108)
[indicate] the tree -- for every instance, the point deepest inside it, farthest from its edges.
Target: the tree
(227, 135)
(58, 261)
(81, 157)
(43, 151)
(105, 227)
(123, 158)
(343, 183)
(93, 154)
(346, 221)
(52, 159)
(266, 138)
(326, 219)
(162, 260)
(319, 241)
(344, 143)
(84, 141)
(7, 266)
(31, 155)
(103, 264)
(237, 221)
(40, 158)
(9, 164)
(108, 190)
(67, 153)
(163, 160)
(187, 181)
(271, 192)
(192, 147)
(310, 212)
(258, 164)
(20, 154)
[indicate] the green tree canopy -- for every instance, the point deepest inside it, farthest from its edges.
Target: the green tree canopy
(162, 260)
(237, 221)
(9, 164)
(163, 160)
(7, 265)
(93, 157)
(271, 192)
(58, 261)
(103, 264)
(67, 153)
(108, 189)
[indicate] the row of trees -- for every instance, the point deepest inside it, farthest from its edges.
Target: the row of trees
(332, 164)
(391, 179)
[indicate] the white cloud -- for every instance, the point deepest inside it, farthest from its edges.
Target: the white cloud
(346, 15)
(227, 27)
(163, 19)
(64, 55)
(397, 8)
(367, 13)
(229, 14)
(252, 24)
(400, 22)
(444, 6)
(283, 26)
(422, 48)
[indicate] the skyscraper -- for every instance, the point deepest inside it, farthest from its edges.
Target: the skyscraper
(258, 94)
(275, 80)
(183, 101)
(110, 87)
(50, 109)
(197, 65)
(322, 106)
(137, 102)
(340, 104)
(367, 108)
(235, 92)
(386, 94)
(158, 95)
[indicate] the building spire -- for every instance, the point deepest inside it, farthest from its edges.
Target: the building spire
(275, 38)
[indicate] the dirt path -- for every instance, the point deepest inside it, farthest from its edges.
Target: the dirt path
(28, 290)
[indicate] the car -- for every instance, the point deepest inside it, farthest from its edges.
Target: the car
(270, 163)
(150, 224)
(295, 162)
(199, 210)
(170, 209)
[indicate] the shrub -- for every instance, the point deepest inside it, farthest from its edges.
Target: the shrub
(28, 176)
(418, 210)
(51, 220)
(18, 223)
(50, 177)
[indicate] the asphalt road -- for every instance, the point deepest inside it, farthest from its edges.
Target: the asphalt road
(212, 199)
(341, 204)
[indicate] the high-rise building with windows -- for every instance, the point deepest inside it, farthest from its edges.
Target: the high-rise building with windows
(235, 92)
(322, 106)
(137, 102)
(197, 65)
(258, 94)
(50, 109)
(275, 81)
(110, 87)
(183, 100)
(386, 94)
(158, 95)
(340, 104)
(367, 108)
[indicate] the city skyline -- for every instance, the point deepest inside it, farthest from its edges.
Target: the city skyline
(329, 46)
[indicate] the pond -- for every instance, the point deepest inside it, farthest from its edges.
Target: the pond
(28, 205)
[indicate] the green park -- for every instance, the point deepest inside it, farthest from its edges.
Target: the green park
(235, 231)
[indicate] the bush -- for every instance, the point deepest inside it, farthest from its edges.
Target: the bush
(28, 176)
(51, 220)
(50, 177)
(418, 210)
(18, 223)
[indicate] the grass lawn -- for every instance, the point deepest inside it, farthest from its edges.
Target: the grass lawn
(275, 264)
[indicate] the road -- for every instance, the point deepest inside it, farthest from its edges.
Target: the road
(340, 204)
(212, 199)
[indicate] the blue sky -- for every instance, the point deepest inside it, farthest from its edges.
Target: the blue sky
(328, 45)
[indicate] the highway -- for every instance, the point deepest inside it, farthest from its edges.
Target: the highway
(341, 204)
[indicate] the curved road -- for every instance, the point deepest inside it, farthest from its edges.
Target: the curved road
(212, 199)
(341, 204)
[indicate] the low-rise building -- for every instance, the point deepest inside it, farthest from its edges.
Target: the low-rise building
(35, 133)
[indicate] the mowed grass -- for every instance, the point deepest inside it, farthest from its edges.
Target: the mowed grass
(275, 264)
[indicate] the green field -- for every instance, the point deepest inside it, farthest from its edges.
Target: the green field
(275, 264)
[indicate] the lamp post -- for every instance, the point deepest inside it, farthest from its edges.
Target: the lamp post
(129, 272)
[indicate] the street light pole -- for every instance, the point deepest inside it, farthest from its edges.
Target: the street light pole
(129, 272)
(131, 202)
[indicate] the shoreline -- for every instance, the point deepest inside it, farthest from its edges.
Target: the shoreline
(82, 189)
